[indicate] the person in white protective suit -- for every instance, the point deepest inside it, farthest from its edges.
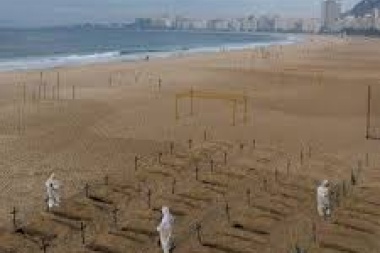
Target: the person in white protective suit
(52, 191)
(323, 199)
(165, 229)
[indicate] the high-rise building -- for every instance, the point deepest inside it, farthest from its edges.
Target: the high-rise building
(331, 10)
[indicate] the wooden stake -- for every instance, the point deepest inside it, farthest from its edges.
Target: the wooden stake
(176, 108)
(86, 189)
(337, 197)
(136, 162)
(171, 148)
(160, 157)
(288, 167)
(315, 236)
(344, 188)
(44, 90)
(353, 178)
(58, 83)
(196, 172)
(24, 94)
(14, 213)
(225, 157)
(228, 212)
(149, 198)
(245, 110)
(368, 112)
(115, 212)
(190, 142)
(41, 82)
(276, 175)
(39, 92)
(191, 102)
(265, 184)
(310, 151)
(83, 232)
(73, 92)
(173, 185)
(44, 244)
(212, 165)
(249, 197)
(198, 229)
(234, 113)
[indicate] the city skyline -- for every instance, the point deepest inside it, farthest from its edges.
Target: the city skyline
(47, 12)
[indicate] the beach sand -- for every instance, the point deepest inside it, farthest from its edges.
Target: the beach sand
(306, 97)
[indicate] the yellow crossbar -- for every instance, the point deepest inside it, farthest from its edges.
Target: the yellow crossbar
(211, 95)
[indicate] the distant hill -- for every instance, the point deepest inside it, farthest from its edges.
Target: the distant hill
(364, 7)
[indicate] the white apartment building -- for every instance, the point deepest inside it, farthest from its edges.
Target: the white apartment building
(249, 24)
(198, 24)
(218, 24)
(331, 10)
(311, 25)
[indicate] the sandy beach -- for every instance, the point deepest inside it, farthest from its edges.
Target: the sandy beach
(306, 106)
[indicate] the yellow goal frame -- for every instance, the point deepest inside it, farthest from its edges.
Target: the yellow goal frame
(229, 97)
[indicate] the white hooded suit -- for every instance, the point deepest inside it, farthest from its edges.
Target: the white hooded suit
(323, 199)
(165, 229)
(52, 191)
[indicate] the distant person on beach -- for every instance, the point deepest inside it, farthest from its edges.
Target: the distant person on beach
(165, 229)
(52, 190)
(147, 58)
(323, 199)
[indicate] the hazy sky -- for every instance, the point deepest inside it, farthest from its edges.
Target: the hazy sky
(53, 12)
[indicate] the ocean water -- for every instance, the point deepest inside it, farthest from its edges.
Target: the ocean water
(24, 49)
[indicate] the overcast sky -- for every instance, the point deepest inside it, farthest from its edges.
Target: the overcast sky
(55, 12)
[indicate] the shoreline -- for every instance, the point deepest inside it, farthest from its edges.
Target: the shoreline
(45, 63)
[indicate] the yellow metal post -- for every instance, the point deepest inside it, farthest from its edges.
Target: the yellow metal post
(245, 110)
(58, 83)
(234, 113)
(24, 93)
(176, 108)
(191, 102)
